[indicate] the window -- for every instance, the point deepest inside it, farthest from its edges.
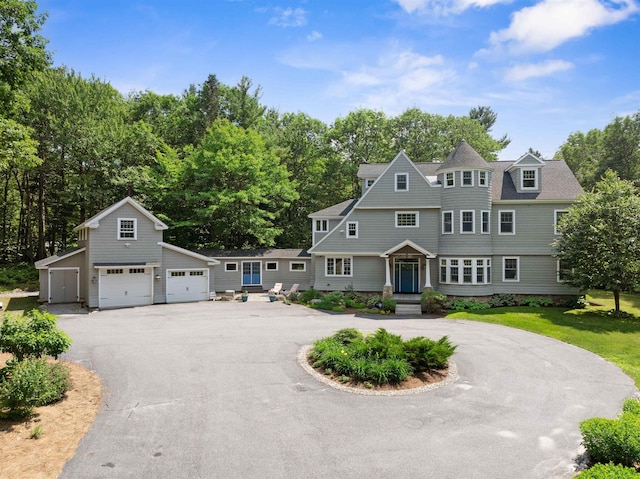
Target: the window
(82, 234)
(467, 222)
(529, 179)
(474, 270)
(447, 222)
(295, 266)
(510, 269)
(115, 271)
(271, 266)
(467, 178)
(407, 219)
(486, 222)
(228, 267)
(136, 270)
(557, 214)
(177, 274)
(322, 226)
(563, 271)
(482, 178)
(370, 182)
(507, 222)
(338, 267)
(449, 180)
(127, 228)
(352, 229)
(196, 273)
(402, 181)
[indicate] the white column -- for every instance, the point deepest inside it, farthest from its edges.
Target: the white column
(427, 274)
(388, 271)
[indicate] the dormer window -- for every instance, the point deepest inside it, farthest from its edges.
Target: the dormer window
(322, 226)
(529, 179)
(402, 181)
(467, 178)
(370, 182)
(127, 228)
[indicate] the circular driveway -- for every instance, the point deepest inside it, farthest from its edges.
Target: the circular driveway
(214, 390)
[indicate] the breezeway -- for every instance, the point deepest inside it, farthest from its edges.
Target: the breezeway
(214, 389)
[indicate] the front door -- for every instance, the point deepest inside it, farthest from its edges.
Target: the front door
(251, 273)
(407, 276)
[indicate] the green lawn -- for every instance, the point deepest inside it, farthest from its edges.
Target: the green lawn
(17, 305)
(616, 340)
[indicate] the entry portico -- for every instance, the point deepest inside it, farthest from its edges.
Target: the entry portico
(408, 260)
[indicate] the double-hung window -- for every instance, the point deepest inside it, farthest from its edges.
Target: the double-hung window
(467, 178)
(557, 214)
(127, 228)
(529, 179)
(563, 271)
(352, 229)
(447, 222)
(482, 178)
(465, 270)
(507, 222)
(449, 180)
(467, 222)
(335, 266)
(402, 181)
(407, 219)
(322, 226)
(511, 269)
(486, 225)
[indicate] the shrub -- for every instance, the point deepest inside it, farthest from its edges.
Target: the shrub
(431, 300)
(348, 335)
(389, 305)
(31, 383)
(576, 302)
(502, 299)
(294, 297)
(613, 440)
(384, 345)
(32, 336)
(608, 471)
(620, 314)
(536, 302)
(18, 275)
(461, 305)
(351, 294)
(310, 294)
(424, 354)
(631, 406)
(372, 301)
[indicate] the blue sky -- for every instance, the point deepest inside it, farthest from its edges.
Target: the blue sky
(547, 67)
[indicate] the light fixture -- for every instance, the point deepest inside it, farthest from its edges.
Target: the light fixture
(157, 277)
(94, 280)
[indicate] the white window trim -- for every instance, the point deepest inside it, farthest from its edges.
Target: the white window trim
(536, 173)
(462, 178)
(474, 272)
(453, 177)
(517, 280)
(473, 222)
(303, 263)
(486, 179)
(513, 216)
(326, 263)
(347, 230)
(369, 182)
(395, 185)
(267, 263)
(226, 267)
(555, 220)
(452, 225)
(323, 222)
(417, 225)
(488, 212)
(135, 229)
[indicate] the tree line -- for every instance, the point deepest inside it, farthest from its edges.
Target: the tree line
(219, 167)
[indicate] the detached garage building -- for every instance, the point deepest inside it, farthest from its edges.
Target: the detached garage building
(121, 260)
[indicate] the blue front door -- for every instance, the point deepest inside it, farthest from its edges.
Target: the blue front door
(251, 273)
(407, 277)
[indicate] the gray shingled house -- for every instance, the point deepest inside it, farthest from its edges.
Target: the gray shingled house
(464, 227)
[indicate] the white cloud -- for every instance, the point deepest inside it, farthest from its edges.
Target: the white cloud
(443, 7)
(534, 70)
(289, 17)
(314, 35)
(550, 23)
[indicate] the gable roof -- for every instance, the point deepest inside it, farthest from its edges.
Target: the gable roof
(210, 261)
(45, 262)
(463, 156)
(336, 211)
(528, 159)
(94, 221)
(411, 244)
(264, 253)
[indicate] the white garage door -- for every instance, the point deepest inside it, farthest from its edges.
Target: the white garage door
(125, 286)
(187, 285)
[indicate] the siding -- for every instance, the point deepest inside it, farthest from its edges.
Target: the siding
(104, 247)
(537, 276)
(75, 261)
(233, 280)
(368, 275)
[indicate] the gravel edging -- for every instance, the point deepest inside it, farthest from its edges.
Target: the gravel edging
(452, 376)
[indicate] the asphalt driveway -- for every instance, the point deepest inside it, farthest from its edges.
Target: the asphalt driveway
(214, 390)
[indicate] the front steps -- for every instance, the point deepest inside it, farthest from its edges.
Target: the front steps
(412, 309)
